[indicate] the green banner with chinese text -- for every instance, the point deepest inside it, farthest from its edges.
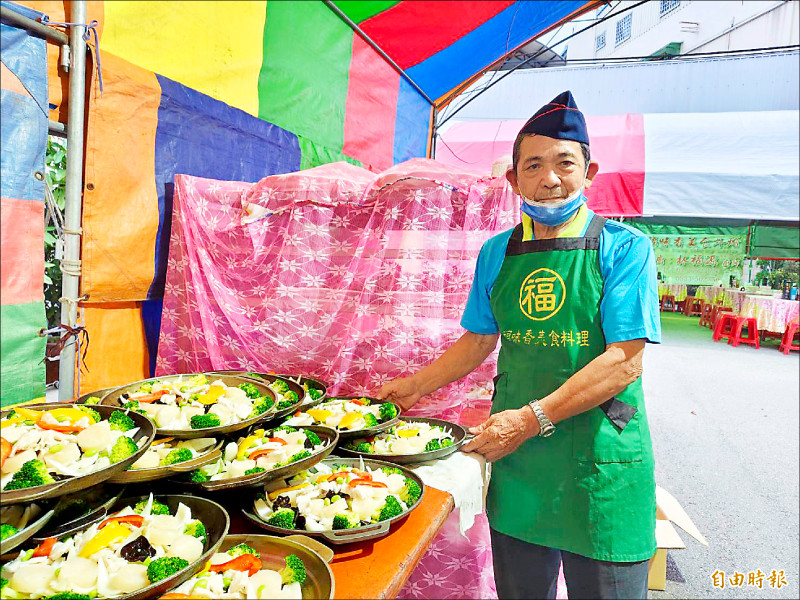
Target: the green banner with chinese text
(699, 259)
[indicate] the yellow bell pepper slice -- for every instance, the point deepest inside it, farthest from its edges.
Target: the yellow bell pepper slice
(406, 433)
(113, 532)
(349, 420)
(276, 493)
(25, 414)
(319, 414)
(71, 414)
(212, 395)
(246, 444)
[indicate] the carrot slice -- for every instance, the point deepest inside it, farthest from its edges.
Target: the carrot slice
(6, 450)
(151, 397)
(243, 562)
(45, 547)
(135, 520)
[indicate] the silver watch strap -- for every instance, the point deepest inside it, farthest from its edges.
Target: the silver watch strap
(546, 427)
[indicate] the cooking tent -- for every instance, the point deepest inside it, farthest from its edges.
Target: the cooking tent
(237, 91)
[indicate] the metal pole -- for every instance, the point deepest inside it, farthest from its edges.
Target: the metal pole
(45, 31)
(71, 264)
(377, 48)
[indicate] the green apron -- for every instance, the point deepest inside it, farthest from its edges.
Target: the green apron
(589, 488)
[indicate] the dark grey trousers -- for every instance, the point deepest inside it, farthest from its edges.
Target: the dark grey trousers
(523, 570)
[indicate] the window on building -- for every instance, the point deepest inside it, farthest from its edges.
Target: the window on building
(668, 6)
(623, 29)
(600, 42)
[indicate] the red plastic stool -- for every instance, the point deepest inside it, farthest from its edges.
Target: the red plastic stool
(707, 317)
(693, 307)
(752, 332)
(787, 341)
(725, 326)
(679, 305)
(668, 303)
(720, 310)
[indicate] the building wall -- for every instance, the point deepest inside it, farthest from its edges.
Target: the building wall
(700, 26)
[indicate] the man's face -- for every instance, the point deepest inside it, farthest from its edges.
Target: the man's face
(549, 169)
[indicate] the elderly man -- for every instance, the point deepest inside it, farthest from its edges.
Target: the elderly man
(573, 298)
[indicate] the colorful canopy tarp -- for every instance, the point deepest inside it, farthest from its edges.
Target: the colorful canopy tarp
(23, 138)
(719, 165)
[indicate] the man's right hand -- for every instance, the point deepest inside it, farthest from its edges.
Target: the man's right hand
(403, 391)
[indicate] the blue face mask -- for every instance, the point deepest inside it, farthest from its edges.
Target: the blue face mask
(553, 213)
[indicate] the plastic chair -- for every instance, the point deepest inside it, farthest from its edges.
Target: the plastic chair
(752, 332)
(787, 341)
(725, 326)
(720, 310)
(707, 317)
(667, 303)
(693, 307)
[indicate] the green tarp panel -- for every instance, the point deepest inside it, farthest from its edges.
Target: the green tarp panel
(22, 351)
(775, 240)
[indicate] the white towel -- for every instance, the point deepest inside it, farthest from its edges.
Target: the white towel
(466, 477)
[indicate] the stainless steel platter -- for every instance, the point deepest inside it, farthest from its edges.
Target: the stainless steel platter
(341, 536)
(273, 551)
(460, 436)
(47, 510)
(326, 434)
(114, 398)
(74, 484)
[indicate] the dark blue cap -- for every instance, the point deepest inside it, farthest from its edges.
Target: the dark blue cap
(559, 119)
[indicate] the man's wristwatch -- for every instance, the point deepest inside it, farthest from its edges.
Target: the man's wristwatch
(546, 427)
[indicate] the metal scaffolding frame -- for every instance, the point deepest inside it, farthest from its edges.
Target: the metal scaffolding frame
(73, 48)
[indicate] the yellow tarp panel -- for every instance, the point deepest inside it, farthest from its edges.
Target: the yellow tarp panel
(117, 348)
(213, 47)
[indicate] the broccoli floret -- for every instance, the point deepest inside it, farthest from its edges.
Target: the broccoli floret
(92, 400)
(313, 438)
(388, 411)
(432, 445)
(157, 508)
(285, 404)
(68, 596)
(91, 412)
(254, 470)
(166, 566)
(410, 492)
(120, 421)
(345, 521)
(176, 455)
(240, 549)
(197, 476)
(299, 456)
(251, 390)
(122, 449)
(364, 447)
(312, 392)
(134, 406)
(391, 509)
(286, 428)
(262, 405)
(33, 473)
(370, 420)
(7, 530)
(203, 421)
(147, 387)
(294, 571)
(255, 375)
(392, 470)
(447, 442)
(279, 386)
(282, 518)
(197, 529)
(3, 582)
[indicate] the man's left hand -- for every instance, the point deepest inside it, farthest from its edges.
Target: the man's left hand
(502, 433)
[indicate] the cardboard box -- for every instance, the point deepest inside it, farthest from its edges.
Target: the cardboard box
(668, 511)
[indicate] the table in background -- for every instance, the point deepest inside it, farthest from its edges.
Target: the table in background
(380, 568)
(710, 293)
(735, 298)
(771, 314)
(676, 289)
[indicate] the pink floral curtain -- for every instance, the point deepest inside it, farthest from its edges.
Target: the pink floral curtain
(347, 276)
